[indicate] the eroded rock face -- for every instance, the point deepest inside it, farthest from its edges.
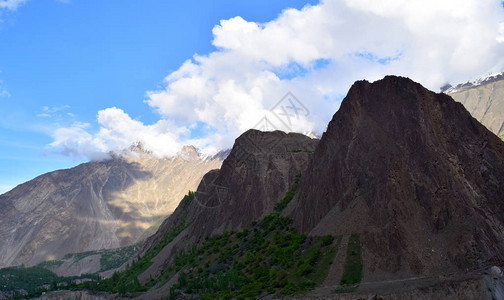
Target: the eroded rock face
(260, 169)
(95, 205)
(411, 171)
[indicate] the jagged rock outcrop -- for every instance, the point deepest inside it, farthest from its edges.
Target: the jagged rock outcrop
(484, 99)
(261, 167)
(415, 175)
(95, 205)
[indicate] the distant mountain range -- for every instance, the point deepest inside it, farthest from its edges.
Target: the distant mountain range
(484, 99)
(96, 205)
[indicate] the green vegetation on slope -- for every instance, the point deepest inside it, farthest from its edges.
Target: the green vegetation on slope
(49, 264)
(288, 196)
(28, 279)
(109, 258)
(127, 281)
(114, 258)
(353, 263)
(270, 258)
(187, 199)
(31, 282)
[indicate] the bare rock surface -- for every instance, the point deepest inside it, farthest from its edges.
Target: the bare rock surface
(96, 205)
(415, 175)
(485, 101)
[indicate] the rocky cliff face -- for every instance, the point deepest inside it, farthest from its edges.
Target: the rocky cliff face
(95, 205)
(414, 174)
(484, 99)
(256, 175)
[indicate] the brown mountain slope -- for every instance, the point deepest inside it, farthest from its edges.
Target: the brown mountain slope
(95, 205)
(485, 101)
(414, 174)
(253, 178)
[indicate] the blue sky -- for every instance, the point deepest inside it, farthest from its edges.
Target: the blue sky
(83, 56)
(80, 78)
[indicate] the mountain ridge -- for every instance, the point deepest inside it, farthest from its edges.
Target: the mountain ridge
(97, 205)
(484, 99)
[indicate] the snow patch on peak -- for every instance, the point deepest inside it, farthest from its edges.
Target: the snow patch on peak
(492, 77)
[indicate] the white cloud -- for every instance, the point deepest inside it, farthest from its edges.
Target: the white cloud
(117, 132)
(55, 111)
(75, 142)
(11, 4)
(316, 53)
(3, 91)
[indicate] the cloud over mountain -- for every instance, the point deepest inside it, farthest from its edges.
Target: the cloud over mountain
(315, 53)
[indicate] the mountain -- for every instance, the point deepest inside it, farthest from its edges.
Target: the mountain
(402, 197)
(484, 99)
(96, 205)
(259, 170)
(414, 175)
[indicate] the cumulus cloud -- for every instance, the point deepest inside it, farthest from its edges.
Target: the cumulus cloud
(118, 131)
(316, 53)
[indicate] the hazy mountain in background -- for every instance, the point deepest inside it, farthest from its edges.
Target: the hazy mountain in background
(484, 99)
(96, 205)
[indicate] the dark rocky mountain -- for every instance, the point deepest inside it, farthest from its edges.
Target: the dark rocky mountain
(415, 175)
(257, 173)
(96, 205)
(484, 99)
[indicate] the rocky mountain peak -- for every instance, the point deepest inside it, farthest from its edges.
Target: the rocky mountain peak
(189, 153)
(414, 174)
(255, 176)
